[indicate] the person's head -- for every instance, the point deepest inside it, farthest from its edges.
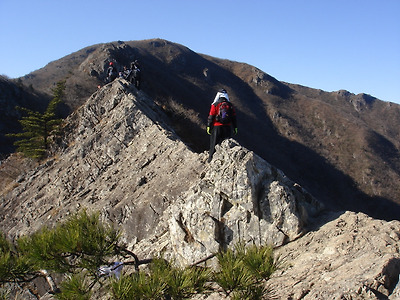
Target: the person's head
(223, 91)
(111, 63)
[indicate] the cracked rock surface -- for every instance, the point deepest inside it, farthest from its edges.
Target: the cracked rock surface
(119, 156)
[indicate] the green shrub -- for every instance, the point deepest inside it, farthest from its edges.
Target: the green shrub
(162, 281)
(13, 265)
(260, 261)
(243, 272)
(37, 127)
(138, 286)
(75, 287)
(82, 244)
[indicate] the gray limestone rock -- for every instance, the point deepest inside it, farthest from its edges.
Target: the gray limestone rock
(240, 198)
(350, 257)
(120, 157)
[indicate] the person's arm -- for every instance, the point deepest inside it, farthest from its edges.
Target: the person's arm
(234, 121)
(211, 118)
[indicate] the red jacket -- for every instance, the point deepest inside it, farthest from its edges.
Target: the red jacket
(211, 122)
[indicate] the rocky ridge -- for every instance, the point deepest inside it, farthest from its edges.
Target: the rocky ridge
(106, 163)
(353, 140)
(119, 156)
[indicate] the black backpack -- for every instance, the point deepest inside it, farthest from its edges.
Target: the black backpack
(225, 112)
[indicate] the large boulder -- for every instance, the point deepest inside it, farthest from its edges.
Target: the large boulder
(240, 198)
(352, 256)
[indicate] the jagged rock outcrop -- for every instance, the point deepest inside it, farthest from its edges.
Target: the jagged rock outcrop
(350, 257)
(119, 156)
(239, 198)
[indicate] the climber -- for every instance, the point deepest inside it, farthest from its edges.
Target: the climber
(126, 73)
(111, 72)
(129, 76)
(133, 74)
(221, 119)
(136, 74)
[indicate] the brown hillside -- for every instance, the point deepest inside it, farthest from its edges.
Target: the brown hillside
(343, 148)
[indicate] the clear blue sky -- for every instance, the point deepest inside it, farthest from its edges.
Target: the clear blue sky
(329, 45)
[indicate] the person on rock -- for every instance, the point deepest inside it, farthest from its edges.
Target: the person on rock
(133, 75)
(111, 72)
(136, 77)
(221, 120)
(126, 73)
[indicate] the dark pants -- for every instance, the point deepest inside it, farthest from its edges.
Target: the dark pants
(218, 134)
(135, 81)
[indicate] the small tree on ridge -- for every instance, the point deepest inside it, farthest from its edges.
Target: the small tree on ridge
(33, 141)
